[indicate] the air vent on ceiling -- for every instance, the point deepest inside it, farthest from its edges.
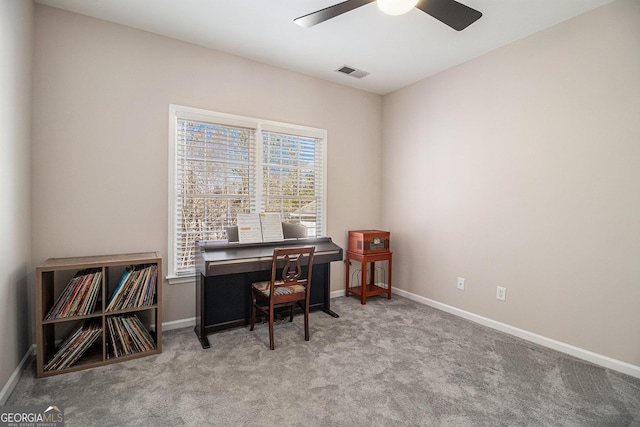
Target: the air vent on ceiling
(353, 72)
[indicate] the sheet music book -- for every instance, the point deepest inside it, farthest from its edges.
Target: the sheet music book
(271, 227)
(257, 228)
(249, 228)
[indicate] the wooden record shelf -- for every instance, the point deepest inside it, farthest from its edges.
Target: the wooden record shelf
(141, 319)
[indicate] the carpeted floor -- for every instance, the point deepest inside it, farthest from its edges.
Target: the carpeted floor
(388, 363)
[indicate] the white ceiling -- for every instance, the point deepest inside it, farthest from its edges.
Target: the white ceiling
(395, 50)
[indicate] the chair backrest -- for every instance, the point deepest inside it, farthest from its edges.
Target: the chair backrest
(291, 260)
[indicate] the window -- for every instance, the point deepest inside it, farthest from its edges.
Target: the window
(222, 165)
(291, 165)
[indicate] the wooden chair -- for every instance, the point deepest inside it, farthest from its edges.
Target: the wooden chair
(289, 289)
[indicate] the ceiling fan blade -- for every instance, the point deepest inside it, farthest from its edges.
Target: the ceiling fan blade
(456, 15)
(329, 12)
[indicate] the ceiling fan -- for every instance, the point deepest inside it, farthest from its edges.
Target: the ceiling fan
(456, 15)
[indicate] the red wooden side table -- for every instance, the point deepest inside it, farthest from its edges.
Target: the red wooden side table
(368, 247)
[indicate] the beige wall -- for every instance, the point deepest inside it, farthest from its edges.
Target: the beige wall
(100, 141)
(16, 47)
(521, 169)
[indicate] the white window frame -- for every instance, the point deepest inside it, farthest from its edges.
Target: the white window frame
(179, 111)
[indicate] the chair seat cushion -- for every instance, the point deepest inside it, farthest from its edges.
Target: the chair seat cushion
(263, 288)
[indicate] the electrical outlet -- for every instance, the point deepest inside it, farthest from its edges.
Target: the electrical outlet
(501, 293)
(460, 284)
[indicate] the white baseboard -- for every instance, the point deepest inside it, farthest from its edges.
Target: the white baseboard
(13, 379)
(179, 324)
(589, 356)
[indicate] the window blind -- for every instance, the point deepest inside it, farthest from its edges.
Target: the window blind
(292, 178)
(215, 178)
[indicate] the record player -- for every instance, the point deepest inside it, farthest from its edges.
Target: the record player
(368, 241)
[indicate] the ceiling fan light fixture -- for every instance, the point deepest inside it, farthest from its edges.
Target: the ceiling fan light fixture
(396, 7)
